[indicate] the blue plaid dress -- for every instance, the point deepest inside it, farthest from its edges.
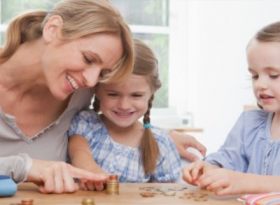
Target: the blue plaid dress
(122, 160)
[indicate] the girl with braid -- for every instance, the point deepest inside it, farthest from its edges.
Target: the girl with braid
(112, 136)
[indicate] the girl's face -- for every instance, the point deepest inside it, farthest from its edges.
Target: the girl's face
(122, 104)
(264, 65)
(79, 63)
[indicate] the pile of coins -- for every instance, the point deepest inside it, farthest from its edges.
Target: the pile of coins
(112, 186)
(171, 191)
(154, 190)
(195, 196)
(88, 201)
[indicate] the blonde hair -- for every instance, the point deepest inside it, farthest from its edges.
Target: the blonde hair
(145, 64)
(80, 18)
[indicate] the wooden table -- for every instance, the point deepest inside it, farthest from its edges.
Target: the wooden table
(129, 194)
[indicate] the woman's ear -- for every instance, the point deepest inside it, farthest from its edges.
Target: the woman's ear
(52, 29)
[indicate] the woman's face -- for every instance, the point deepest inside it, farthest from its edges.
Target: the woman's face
(79, 63)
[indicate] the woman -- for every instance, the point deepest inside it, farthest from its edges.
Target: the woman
(48, 61)
(47, 66)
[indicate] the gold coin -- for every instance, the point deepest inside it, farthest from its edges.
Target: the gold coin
(189, 193)
(200, 199)
(185, 197)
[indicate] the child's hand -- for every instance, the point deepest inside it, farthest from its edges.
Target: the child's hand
(193, 171)
(223, 181)
(91, 185)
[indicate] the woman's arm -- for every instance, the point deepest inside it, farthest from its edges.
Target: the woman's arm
(50, 176)
(80, 155)
(16, 167)
(183, 141)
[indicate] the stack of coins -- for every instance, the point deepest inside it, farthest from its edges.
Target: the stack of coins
(88, 201)
(27, 202)
(112, 186)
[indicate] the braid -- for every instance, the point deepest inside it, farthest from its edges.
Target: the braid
(96, 104)
(149, 146)
(146, 118)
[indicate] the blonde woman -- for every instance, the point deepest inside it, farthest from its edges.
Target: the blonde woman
(47, 67)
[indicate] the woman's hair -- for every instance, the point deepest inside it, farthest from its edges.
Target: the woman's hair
(145, 64)
(80, 18)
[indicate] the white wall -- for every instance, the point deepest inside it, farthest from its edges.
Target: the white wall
(219, 84)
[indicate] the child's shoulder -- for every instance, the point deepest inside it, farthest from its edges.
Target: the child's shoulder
(160, 134)
(256, 115)
(252, 119)
(87, 114)
(159, 131)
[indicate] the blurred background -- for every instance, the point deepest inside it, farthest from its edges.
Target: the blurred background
(201, 48)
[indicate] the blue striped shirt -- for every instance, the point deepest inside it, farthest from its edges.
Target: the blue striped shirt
(122, 160)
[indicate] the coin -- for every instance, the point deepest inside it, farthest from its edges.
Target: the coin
(146, 194)
(200, 199)
(185, 197)
(88, 201)
(27, 201)
(189, 193)
(169, 193)
(113, 177)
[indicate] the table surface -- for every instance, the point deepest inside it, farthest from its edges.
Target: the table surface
(129, 193)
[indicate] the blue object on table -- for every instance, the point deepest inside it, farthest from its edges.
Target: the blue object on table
(7, 186)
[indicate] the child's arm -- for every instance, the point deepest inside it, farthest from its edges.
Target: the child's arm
(80, 155)
(227, 182)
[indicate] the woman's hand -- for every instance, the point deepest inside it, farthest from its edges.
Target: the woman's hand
(58, 177)
(183, 141)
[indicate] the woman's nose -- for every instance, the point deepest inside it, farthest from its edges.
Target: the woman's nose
(91, 76)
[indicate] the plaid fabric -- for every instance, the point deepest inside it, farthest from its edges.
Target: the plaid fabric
(125, 161)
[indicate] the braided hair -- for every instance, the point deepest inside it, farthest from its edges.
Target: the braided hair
(145, 64)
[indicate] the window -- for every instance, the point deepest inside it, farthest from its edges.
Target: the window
(162, 24)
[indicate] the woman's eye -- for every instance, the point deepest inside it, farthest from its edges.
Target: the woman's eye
(87, 60)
